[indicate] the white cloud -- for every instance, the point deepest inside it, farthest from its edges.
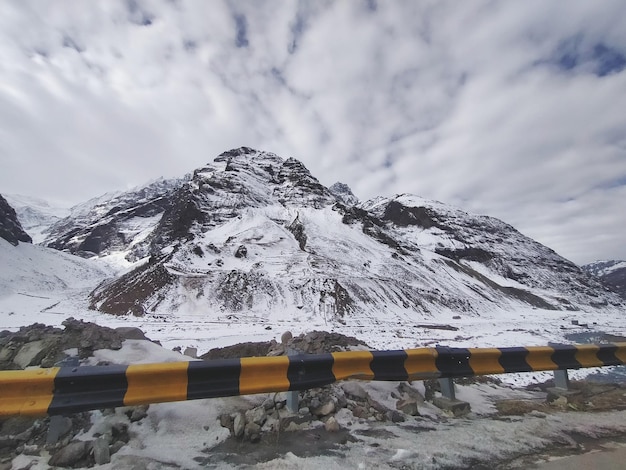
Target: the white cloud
(499, 107)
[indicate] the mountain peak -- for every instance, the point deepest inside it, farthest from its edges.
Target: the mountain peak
(343, 192)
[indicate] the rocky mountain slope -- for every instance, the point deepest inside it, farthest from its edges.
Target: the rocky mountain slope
(113, 222)
(10, 228)
(612, 273)
(257, 236)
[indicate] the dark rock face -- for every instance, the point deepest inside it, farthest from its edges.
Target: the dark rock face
(297, 229)
(404, 216)
(10, 228)
(128, 293)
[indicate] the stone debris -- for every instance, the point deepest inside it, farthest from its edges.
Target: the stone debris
(45, 346)
(319, 408)
(314, 342)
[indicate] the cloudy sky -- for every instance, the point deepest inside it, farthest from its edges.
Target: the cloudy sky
(513, 109)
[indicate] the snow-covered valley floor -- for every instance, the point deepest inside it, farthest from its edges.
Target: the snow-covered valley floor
(189, 435)
(529, 327)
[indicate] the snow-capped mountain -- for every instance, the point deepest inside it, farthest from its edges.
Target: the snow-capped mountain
(253, 234)
(119, 221)
(10, 228)
(36, 215)
(612, 273)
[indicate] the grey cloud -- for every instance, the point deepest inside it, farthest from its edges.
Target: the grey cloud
(470, 103)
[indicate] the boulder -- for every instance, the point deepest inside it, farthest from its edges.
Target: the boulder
(456, 407)
(408, 406)
(331, 425)
(31, 353)
(72, 455)
(256, 415)
(101, 453)
(239, 423)
(130, 332)
(252, 432)
(405, 389)
(325, 409)
(354, 390)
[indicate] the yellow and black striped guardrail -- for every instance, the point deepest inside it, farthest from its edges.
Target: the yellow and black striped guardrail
(61, 390)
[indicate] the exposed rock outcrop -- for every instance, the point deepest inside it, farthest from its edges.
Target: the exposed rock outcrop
(10, 228)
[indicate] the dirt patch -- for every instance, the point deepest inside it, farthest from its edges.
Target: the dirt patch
(251, 349)
(306, 443)
(519, 407)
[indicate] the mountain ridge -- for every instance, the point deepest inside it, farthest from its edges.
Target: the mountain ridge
(611, 272)
(251, 232)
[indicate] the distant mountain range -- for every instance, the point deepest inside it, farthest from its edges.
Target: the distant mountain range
(253, 234)
(612, 273)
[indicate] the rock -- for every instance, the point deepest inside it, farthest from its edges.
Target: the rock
(292, 427)
(7, 353)
(91, 336)
(137, 413)
(360, 412)
(456, 407)
(377, 406)
(130, 332)
(119, 432)
(191, 352)
(395, 416)
(256, 415)
(242, 252)
(71, 455)
(31, 353)
(278, 350)
(10, 228)
(408, 406)
(331, 425)
(268, 403)
(354, 390)
(31, 450)
(58, 427)
(6, 441)
(239, 423)
(252, 432)
(286, 337)
(101, 452)
(560, 402)
(16, 425)
(325, 409)
(115, 447)
(405, 389)
(226, 421)
(555, 393)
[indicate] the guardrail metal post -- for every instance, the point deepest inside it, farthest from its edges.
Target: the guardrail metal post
(561, 380)
(293, 396)
(447, 388)
(56, 424)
